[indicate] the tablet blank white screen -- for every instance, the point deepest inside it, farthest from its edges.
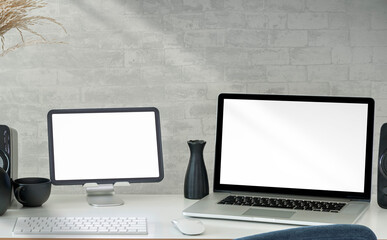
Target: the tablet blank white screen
(105, 145)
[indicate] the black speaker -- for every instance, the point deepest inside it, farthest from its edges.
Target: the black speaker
(382, 168)
(8, 150)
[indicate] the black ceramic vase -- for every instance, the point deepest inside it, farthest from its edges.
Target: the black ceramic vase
(196, 179)
(5, 191)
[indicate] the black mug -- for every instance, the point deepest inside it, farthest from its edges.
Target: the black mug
(32, 191)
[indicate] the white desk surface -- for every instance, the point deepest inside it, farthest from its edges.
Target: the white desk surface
(159, 211)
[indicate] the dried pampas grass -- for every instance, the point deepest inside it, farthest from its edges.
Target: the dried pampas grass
(14, 15)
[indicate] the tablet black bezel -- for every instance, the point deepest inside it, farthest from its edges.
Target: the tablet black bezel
(110, 180)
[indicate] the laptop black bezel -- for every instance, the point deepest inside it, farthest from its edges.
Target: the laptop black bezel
(50, 128)
(365, 195)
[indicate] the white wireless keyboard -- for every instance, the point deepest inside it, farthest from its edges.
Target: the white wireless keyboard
(80, 225)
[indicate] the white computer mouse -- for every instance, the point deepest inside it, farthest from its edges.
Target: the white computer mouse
(189, 226)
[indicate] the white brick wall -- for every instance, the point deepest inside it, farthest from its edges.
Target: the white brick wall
(179, 55)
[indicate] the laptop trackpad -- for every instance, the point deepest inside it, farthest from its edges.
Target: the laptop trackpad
(268, 213)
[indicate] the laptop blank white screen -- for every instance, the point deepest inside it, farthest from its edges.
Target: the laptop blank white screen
(292, 144)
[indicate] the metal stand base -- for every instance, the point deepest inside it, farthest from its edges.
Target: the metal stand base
(103, 196)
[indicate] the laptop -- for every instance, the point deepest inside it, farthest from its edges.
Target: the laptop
(303, 160)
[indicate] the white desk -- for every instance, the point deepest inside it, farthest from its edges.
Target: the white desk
(160, 210)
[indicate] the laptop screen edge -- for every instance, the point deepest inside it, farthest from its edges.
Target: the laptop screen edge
(365, 195)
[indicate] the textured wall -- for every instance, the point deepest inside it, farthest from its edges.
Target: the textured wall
(178, 55)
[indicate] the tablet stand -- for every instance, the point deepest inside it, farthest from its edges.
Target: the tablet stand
(102, 196)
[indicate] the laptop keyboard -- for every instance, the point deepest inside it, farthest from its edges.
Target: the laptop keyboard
(333, 207)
